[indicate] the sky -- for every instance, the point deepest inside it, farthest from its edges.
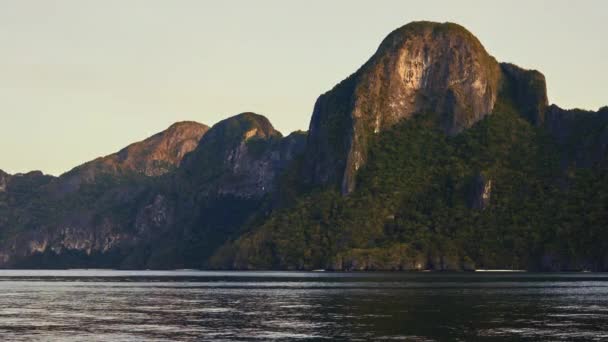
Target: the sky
(81, 79)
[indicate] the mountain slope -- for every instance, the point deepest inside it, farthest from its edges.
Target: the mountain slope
(153, 156)
(226, 180)
(417, 207)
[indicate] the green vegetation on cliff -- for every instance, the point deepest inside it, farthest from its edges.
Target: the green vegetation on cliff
(412, 208)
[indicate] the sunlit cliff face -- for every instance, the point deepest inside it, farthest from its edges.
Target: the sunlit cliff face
(420, 67)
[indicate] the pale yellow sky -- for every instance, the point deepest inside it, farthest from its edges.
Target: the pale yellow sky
(81, 79)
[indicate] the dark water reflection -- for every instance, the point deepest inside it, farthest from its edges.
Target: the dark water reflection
(191, 305)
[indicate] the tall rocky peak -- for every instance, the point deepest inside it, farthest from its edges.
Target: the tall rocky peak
(420, 67)
(153, 156)
(240, 156)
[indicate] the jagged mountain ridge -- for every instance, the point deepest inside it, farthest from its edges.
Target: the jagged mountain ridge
(247, 197)
(114, 210)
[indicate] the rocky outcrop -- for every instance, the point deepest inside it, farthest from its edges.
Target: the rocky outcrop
(151, 157)
(528, 89)
(4, 178)
(154, 217)
(241, 156)
(420, 67)
(480, 192)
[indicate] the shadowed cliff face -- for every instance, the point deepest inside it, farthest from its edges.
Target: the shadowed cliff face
(582, 134)
(152, 157)
(420, 67)
(528, 90)
(240, 156)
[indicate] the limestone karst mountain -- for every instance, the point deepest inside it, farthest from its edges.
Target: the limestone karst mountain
(420, 67)
(433, 155)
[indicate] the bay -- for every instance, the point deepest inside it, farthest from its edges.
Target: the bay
(190, 305)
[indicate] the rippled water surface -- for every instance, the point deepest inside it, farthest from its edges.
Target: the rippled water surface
(99, 305)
